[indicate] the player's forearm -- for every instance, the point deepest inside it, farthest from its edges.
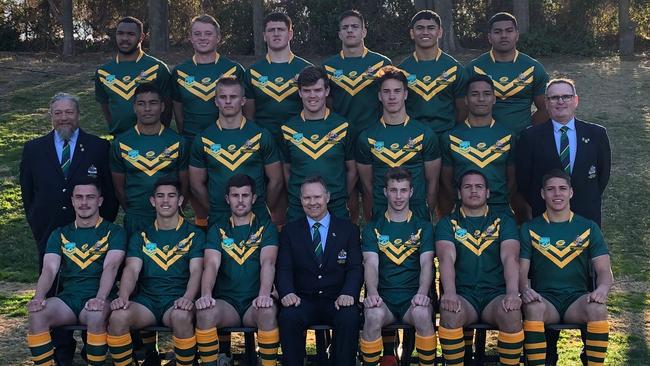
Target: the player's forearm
(523, 282)
(127, 282)
(274, 194)
(208, 279)
(426, 277)
(107, 280)
(267, 274)
(350, 181)
(371, 278)
(511, 275)
(193, 285)
(44, 284)
(540, 116)
(200, 191)
(107, 114)
(447, 276)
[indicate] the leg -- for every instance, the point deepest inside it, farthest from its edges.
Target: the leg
(595, 315)
(425, 339)
(207, 338)
(370, 342)
(181, 323)
(346, 323)
(268, 335)
(136, 316)
(353, 205)
(55, 313)
(293, 322)
(511, 336)
(451, 331)
(537, 313)
(96, 346)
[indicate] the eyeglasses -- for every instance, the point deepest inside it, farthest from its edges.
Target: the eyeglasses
(565, 98)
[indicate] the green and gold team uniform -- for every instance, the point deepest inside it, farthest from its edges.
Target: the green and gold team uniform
(226, 152)
(399, 246)
(516, 84)
(273, 87)
(165, 256)
(434, 85)
(489, 150)
(194, 85)
(353, 90)
(143, 159)
(238, 280)
(477, 240)
(82, 252)
(115, 84)
(560, 255)
(317, 147)
(409, 145)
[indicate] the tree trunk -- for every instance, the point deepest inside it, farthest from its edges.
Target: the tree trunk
(449, 43)
(68, 29)
(206, 7)
(625, 29)
(521, 11)
(158, 26)
(258, 27)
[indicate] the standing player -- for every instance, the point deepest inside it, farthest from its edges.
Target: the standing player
(165, 261)
(398, 141)
(558, 250)
(519, 80)
(398, 266)
(88, 254)
(317, 141)
(116, 81)
(238, 276)
(478, 250)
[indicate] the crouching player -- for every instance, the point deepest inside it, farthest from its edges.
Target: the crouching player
(238, 277)
(88, 253)
(398, 267)
(477, 248)
(165, 261)
(558, 249)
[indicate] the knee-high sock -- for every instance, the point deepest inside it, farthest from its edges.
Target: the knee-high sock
(40, 345)
(121, 348)
(597, 342)
(208, 345)
(389, 340)
(426, 348)
(535, 342)
(184, 350)
(468, 336)
(224, 342)
(268, 342)
(370, 351)
(510, 346)
(149, 340)
(96, 348)
(453, 345)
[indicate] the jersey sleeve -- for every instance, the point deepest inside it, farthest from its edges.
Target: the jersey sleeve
(100, 94)
(541, 78)
(115, 160)
(270, 153)
(213, 239)
(426, 241)
(117, 240)
(54, 243)
(525, 246)
(135, 246)
(369, 239)
(445, 150)
(430, 148)
(460, 84)
(197, 155)
(444, 231)
(513, 147)
(249, 89)
(240, 74)
(285, 152)
(184, 157)
(198, 244)
(164, 80)
(175, 88)
(348, 147)
(362, 153)
(597, 245)
(270, 235)
(508, 229)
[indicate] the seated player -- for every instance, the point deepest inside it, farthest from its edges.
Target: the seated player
(477, 248)
(88, 254)
(398, 271)
(165, 261)
(238, 276)
(558, 250)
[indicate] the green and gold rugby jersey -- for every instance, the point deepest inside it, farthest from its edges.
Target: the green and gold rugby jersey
(560, 253)
(399, 246)
(115, 84)
(143, 159)
(408, 145)
(489, 149)
(240, 248)
(194, 85)
(353, 90)
(273, 86)
(166, 256)
(516, 83)
(434, 85)
(226, 152)
(317, 147)
(83, 251)
(477, 240)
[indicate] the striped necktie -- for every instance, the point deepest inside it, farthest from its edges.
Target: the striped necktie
(318, 244)
(65, 157)
(565, 156)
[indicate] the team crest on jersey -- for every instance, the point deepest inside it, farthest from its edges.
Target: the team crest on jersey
(248, 146)
(460, 233)
(126, 78)
(412, 79)
(560, 243)
(297, 137)
(413, 241)
(166, 155)
(206, 81)
(97, 246)
(520, 80)
(133, 154)
(227, 242)
(578, 241)
(464, 145)
(70, 246)
(331, 137)
(150, 247)
(150, 154)
(232, 148)
(544, 241)
(263, 80)
(383, 240)
(189, 80)
(410, 145)
(503, 79)
(490, 230)
(379, 145)
(110, 79)
(215, 147)
(252, 240)
(498, 146)
(338, 74)
(279, 80)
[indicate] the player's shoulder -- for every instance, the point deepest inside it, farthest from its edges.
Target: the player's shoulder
(372, 55)
(524, 58)
(417, 125)
(171, 134)
(581, 221)
(185, 66)
(480, 60)
(259, 64)
(114, 228)
(153, 60)
(336, 118)
(444, 56)
(300, 61)
(108, 65)
(407, 63)
(333, 60)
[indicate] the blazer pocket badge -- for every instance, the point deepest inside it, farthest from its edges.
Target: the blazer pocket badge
(592, 172)
(342, 258)
(92, 171)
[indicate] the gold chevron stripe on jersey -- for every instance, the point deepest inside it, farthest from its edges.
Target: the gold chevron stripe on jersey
(87, 254)
(315, 149)
(126, 89)
(150, 166)
(205, 92)
(353, 85)
(477, 242)
(165, 259)
(564, 255)
(507, 90)
(242, 250)
(399, 157)
(429, 90)
(279, 92)
(478, 157)
(398, 253)
(232, 159)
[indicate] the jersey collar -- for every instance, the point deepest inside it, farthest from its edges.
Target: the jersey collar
(241, 124)
(470, 126)
(365, 52)
(406, 121)
(117, 57)
(513, 60)
(216, 58)
(251, 218)
(487, 209)
(99, 222)
(415, 56)
(291, 57)
(548, 221)
(327, 114)
(162, 128)
(409, 215)
(180, 223)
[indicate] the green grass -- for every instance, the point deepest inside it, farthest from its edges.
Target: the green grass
(14, 305)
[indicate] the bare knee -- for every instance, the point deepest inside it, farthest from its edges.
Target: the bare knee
(374, 319)
(38, 322)
(206, 318)
(596, 311)
(510, 321)
(95, 321)
(452, 320)
(119, 322)
(181, 318)
(421, 316)
(267, 318)
(534, 310)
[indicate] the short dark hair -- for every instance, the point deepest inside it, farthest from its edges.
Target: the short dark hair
(147, 88)
(501, 17)
(314, 179)
(132, 20)
(352, 13)
(87, 181)
(229, 80)
(556, 173)
(472, 172)
(278, 17)
(398, 173)
(207, 19)
(480, 78)
(240, 180)
(310, 76)
(427, 15)
(391, 72)
(167, 180)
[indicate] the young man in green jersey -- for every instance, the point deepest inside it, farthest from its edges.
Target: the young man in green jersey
(116, 80)
(478, 251)
(558, 251)
(237, 281)
(317, 141)
(165, 261)
(86, 254)
(398, 266)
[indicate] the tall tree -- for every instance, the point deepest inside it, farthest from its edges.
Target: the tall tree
(449, 41)
(521, 10)
(64, 16)
(159, 26)
(625, 29)
(258, 27)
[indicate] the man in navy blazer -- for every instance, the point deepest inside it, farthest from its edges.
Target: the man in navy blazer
(318, 278)
(565, 142)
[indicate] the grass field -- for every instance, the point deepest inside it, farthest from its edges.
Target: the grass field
(613, 93)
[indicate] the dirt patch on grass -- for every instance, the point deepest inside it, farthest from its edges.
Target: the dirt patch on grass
(13, 344)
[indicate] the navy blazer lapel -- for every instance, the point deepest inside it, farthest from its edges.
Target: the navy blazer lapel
(550, 147)
(79, 151)
(50, 152)
(307, 239)
(332, 241)
(582, 139)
